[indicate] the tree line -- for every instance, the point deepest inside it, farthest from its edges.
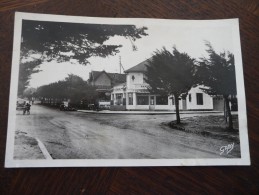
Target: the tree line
(175, 73)
(72, 88)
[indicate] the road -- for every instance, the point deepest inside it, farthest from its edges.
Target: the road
(75, 135)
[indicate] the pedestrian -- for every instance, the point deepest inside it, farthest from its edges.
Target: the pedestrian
(27, 108)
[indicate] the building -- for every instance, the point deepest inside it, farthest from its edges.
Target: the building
(134, 95)
(104, 82)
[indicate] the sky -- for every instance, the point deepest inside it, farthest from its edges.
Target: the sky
(186, 38)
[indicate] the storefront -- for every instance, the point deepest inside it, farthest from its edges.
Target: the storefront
(134, 95)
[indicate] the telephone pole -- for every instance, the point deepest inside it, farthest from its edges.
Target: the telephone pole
(120, 63)
(121, 67)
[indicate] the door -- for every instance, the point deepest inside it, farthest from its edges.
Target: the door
(184, 104)
(152, 102)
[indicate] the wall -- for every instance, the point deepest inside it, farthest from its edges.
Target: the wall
(218, 104)
(207, 100)
(137, 107)
(117, 108)
(138, 79)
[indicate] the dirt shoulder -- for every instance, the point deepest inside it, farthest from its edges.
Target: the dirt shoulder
(26, 147)
(212, 126)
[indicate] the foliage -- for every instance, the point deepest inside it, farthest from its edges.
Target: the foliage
(29, 93)
(170, 74)
(73, 88)
(217, 73)
(65, 41)
(25, 71)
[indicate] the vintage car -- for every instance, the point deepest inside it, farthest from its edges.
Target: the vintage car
(64, 106)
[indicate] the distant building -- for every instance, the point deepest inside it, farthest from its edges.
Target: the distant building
(134, 95)
(104, 81)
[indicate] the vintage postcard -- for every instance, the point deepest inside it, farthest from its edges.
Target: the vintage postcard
(89, 91)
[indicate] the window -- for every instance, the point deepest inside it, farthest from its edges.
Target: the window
(190, 97)
(161, 100)
(199, 97)
(142, 99)
(130, 98)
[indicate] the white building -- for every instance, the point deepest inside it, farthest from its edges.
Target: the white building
(133, 95)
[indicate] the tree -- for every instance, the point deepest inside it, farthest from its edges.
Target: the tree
(25, 71)
(217, 72)
(29, 93)
(65, 41)
(170, 74)
(79, 90)
(72, 87)
(62, 41)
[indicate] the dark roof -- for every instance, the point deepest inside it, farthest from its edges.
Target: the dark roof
(115, 77)
(94, 74)
(141, 67)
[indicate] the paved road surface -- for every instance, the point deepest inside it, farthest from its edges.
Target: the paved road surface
(74, 135)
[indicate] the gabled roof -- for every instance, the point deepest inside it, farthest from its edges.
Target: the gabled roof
(141, 67)
(115, 77)
(94, 75)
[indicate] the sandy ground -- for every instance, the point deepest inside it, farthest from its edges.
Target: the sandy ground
(210, 126)
(26, 147)
(74, 135)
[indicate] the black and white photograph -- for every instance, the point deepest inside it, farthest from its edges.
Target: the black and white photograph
(91, 91)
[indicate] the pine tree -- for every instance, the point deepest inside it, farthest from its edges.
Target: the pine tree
(26, 69)
(217, 73)
(170, 74)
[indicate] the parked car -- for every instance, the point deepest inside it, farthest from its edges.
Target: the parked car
(69, 108)
(95, 107)
(64, 106)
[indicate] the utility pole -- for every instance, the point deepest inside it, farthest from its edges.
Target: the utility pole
(121, 67)
(120, 63)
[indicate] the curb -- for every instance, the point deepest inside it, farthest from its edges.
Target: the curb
(146, 113)
(44, 150)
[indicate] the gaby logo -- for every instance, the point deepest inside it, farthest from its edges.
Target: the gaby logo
(226, 149)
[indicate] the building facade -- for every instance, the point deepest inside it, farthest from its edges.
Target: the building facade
(103, 82)
(134, 95)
